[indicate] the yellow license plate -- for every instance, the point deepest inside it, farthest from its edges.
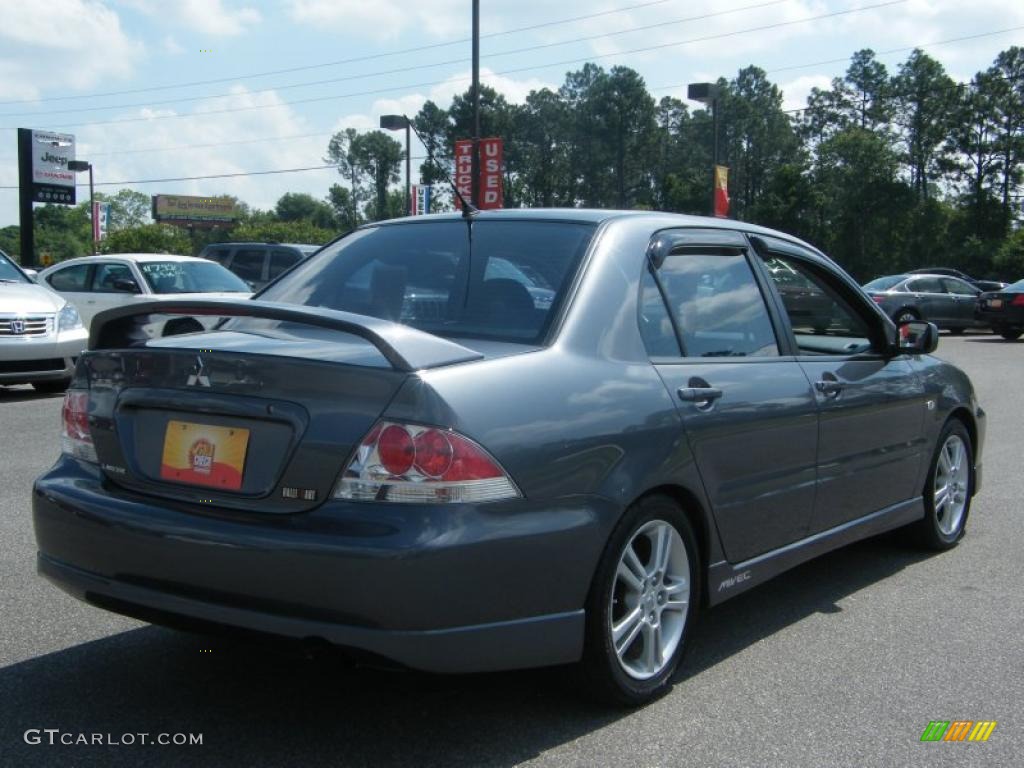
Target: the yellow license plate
(201, 454)
(996, 303)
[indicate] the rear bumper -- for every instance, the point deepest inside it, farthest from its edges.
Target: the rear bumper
(458, 589)
(1008, 317)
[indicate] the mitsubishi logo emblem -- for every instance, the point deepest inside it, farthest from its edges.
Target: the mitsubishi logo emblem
(198, 376)
(17, 327)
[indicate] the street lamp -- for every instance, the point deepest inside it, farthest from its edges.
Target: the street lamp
(397, 123)
(707, 94)
(83, 165)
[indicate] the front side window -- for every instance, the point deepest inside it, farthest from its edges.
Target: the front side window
(959, 287)
(503, 282)
(74, 279)
(248, 264)
(199, 276)
(718, 305)
(281, 261)
(106, 275)
(823, 322)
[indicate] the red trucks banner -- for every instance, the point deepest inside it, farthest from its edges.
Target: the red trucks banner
(722, 191)
(492, 191)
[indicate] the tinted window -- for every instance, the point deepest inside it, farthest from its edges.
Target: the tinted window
(105, 275)
(925, 285)
(954, 285)
(10, 272)
(817, 312)
(281, 261)
(248, 264)
(718, 306)
(199, 276)
(70, 278)
(429, 276)
(655, 324)
(220, 255)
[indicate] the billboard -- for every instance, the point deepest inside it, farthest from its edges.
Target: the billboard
(182, 209)
(48, 154)
(492, 191)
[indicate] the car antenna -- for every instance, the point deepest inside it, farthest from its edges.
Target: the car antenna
(468, 210)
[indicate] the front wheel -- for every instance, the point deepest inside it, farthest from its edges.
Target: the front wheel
(51, 386)
(948, 489)
(642, 604)
(1011, 334)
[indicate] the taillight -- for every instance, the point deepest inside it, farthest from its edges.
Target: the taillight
(412, 463)
(878, 299)
(75, 438)
(1018, 300)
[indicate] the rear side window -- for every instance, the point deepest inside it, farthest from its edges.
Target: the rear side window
(926, 285)
(220, 255)
(281, 261)
(107, 274)
(70, 278)
(503, 283)
(248, 264)
(718, 305)
(655, 324)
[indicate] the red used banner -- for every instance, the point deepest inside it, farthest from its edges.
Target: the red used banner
(492, 191)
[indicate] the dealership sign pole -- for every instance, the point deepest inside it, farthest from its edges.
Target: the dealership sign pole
(43, 177)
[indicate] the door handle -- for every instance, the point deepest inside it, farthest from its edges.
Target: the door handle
(705, 395)
(829, 387)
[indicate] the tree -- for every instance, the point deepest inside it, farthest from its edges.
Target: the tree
(128, 208)
(296, 231)
(379, 157)
(433, 127)
(148, 238)
(299, 206)
(1007, 82)
(345, 212)
(340, 153)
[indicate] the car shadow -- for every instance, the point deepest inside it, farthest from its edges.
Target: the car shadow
(258, 704)
(16, 394)
(994, 340)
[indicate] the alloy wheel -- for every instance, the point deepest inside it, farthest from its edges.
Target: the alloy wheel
(650, 599)
(951, 486)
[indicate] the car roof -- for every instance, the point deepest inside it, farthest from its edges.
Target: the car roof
(136, 257)
(658, 219)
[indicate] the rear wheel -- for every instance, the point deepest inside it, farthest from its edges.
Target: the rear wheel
(957, 331)
(642, 604)
(948, 489)
(1011, 334)
(52, 386)
(906, 316)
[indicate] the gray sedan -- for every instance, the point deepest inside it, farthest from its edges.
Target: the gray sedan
(400, 451)
(949, 302)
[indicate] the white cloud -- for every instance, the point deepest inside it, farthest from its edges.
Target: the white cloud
(172, 46)
(384, 19)
(208, 17)
(795, 92)
(34, 56)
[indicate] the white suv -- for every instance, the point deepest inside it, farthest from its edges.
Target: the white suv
(41, 334)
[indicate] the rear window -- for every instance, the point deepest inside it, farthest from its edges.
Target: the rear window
(884, 283)
(505, 283)
(199, 276)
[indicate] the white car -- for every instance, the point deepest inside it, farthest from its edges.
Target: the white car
(96, 283)
(41, 334)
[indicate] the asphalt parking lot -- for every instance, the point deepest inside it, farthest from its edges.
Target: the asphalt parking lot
(841, 662)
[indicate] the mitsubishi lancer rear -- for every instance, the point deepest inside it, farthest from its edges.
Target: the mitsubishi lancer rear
(319, 466)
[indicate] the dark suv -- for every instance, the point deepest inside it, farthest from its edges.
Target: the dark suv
(258, 263)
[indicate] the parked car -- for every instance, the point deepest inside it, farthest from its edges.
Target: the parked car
(501, 485)
(1003, 311)
(96, 283)
(41, 334)
(949, 302)
(981, 285)
(258, 263)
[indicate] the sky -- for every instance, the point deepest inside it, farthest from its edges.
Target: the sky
(161, 89)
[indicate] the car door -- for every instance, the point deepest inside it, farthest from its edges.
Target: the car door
(965, 300)
(747, 410)
(931, 299)
(73, 283)
(871, 404)
(105, 290)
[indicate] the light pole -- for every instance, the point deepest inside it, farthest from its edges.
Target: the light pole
(476, 104)
(397, 123)
(707, 94)
(83, 165)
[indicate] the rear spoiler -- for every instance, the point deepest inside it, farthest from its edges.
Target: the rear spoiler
(405, 348)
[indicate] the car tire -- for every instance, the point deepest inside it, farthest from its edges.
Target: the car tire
(1010, 334)
(52, 386)
(958, 331)
(632, 664)
(952, 464)
(905, 316)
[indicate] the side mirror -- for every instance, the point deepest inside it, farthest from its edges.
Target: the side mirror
(918, 338)
(126, 285)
